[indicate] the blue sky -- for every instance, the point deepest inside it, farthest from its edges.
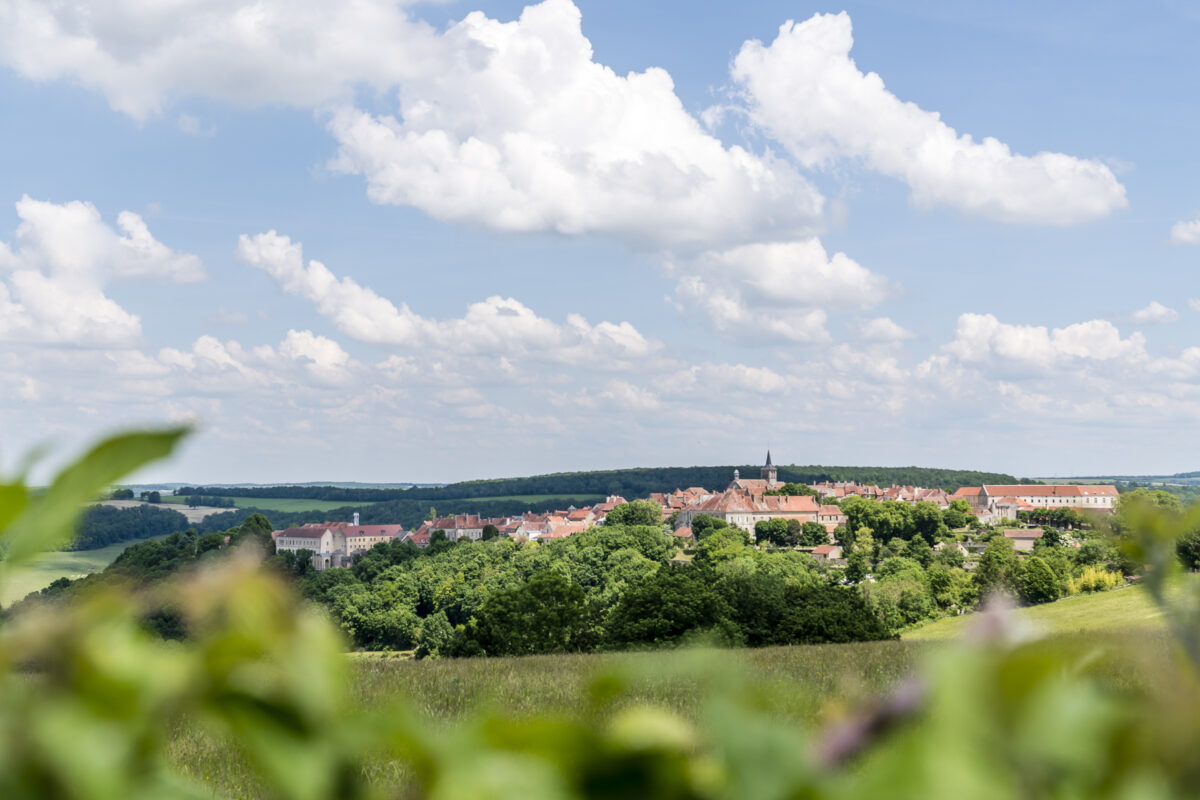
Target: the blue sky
(601, 235)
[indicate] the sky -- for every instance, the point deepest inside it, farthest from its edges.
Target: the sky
(393, 241)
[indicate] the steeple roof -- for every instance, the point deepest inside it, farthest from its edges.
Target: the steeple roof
(769, 464)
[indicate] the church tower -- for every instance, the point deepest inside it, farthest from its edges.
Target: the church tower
(768, 471)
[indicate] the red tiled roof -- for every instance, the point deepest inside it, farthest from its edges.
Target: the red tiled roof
(372, 530)
(1023, 533)
(967, 491)
(303, 532)
(683, 533)
(1050, 490)
(566, 529)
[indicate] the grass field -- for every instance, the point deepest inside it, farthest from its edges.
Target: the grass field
(1119, 609)
(279, 503)
(49, 567)
(803, 684)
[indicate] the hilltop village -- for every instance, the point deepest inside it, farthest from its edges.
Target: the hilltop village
(751, 504)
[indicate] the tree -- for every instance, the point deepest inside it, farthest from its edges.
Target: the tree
(813, 534)
(721, 545)
(997, 570)
(771, 531)
(956, 515)
(703, 525)
(549, 613)
(1188, 548)
(490, 531)
(926, 520)
(666, 607)
(858, 565)
(122, 494)
(822, 612)
(256, 528)
(639, 512)
(1037, 583)
(919, 550)
(435, 636)
(152, 497)
(794, 489)
(1050, 537)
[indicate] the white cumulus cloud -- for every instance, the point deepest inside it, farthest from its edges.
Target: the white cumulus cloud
(883, 329)
(141, 55)
(495, 325)
(524, 131)
(783, 289)
(807, 93)
(52, 277)
(1154, 313)
(980, 337)
(1186, 231)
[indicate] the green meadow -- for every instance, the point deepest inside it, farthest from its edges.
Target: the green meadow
(49, 567)
(279, 503)
(1119, 609)
(805, 685)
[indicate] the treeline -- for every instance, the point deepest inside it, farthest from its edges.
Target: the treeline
(630, 483)
(100, 526)
(216, 501)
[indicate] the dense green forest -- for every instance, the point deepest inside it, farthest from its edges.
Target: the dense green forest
(629, 483)
(100, 526)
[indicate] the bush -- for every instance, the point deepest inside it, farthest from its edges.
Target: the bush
(1094, 579)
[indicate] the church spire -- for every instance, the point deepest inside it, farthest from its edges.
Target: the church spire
(768, 471)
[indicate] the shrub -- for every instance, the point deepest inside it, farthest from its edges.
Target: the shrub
(1094, 579)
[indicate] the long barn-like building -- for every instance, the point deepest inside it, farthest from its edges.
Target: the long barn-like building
(1005, 500)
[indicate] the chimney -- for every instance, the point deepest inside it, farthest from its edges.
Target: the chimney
(356, 519)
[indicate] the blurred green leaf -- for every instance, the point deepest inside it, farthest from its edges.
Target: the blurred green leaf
(13, 499)
(48, 522)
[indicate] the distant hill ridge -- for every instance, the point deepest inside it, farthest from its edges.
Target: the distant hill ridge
(630, 483)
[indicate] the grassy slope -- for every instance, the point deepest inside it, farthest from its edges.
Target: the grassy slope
(49, 567)
(1118, 609)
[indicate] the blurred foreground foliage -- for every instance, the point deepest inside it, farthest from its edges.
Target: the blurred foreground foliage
(89, 701)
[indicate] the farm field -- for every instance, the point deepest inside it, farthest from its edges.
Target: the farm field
(1118, 609)
(279, 503)
(49, 567)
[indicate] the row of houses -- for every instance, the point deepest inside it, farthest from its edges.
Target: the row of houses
(994, 503)
(840, 490)
(335, 544)
(535, 527)
(743, 503)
